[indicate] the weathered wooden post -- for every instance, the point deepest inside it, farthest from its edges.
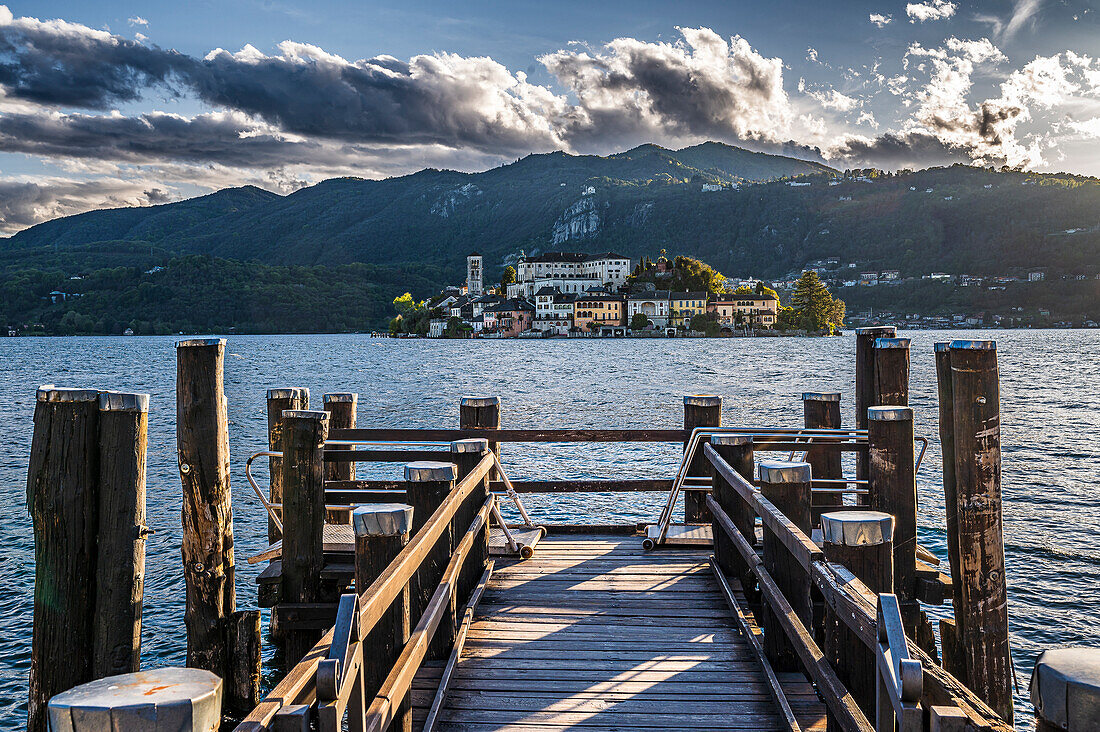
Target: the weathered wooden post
(303, 439)
(982, 614)
(821, 411)
(120, 561)
(787, 486)
(862, 541)
(242, 684)
(381, 532)
(341, 410)
(466, 455)
(891, 372)
(202, 443)
(429, 483)
(737, 451)
(700, 410)
(949, 633)
(63, 500)
(279, 401)
(481, 413)
(865, 381)
(893, 490)
(1065, 690)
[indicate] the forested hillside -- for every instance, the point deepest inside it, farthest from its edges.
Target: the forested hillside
(743, 213)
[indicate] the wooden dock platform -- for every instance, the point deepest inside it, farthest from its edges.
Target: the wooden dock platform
(594, 633)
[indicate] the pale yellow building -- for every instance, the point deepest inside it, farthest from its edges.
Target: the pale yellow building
(684, 306)
(754, 310)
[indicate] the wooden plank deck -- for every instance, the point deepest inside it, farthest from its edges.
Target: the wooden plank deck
(593, 633)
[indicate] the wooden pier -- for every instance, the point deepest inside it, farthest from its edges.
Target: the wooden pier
(789, 596)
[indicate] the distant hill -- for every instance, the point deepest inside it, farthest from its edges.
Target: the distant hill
(957, 219)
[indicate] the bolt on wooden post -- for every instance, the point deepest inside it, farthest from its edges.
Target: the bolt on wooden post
(865, 380)
(303, 439)
(62, 497)
(787, 486)
(949, 634)
(202, 444)
(466, 454)
(120, 561)
(982, 614)
(279, 401)
(429, 483)
(891, 372)
(700, 410)
(341, 410)
(821, 411)
(381, 532)
(481, 413)
(862, 541)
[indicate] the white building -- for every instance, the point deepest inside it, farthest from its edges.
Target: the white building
(608, 268)
(435, 327)
(653, 305)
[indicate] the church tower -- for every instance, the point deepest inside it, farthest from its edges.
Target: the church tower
(474, 285)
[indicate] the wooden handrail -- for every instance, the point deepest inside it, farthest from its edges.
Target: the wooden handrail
(840, 702)
(857, 438)
(400, 678)
(374, 602)
(381, 593)
(849, 598)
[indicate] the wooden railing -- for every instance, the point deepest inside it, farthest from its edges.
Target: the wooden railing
(793, 586)
(329, 681)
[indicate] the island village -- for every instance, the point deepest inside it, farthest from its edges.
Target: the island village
(572, 294)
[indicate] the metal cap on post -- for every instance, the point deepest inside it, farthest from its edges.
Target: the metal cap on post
(289, 393)
(731, 440)
(702, 400)
(340, 398)
(889, 414)
(200, 342)
(973, 345)
(424, 471)
(472, 401)
(470, 444)
(168, 699)
(857, 528)
(877, 331)
(382, 519)
(821, 396)
(892, 343)
(51, 393)
(782, 471)
(1065, 688)
(115, 401)
(305, 414)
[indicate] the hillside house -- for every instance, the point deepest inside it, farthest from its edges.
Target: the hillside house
(602, 308)
(511, 317)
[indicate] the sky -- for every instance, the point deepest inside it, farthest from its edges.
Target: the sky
(111, 103)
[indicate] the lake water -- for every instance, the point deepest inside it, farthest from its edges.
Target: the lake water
(1050, 390)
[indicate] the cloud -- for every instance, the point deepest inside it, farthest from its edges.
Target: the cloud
(832, 99)
(931, 10)
(881, 21)
(1024, 14)
(138, 20)
(700, 86)
(27, 202)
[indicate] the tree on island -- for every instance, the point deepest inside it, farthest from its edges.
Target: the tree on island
(507, 277)
(706, 323)
(639, 321)
(686, 275)
(813, 308)
(412, 316)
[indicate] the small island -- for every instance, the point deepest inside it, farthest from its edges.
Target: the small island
(573, 294)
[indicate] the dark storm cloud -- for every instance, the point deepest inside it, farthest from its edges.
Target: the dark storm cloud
(226, 138)
(24, 203)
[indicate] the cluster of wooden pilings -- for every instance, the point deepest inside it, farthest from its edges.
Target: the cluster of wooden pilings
(420, 556)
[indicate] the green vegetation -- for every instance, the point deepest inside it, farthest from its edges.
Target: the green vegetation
(201, 294)
(507, 277)
(706, 323)
(638, 321)
(683, 274)
(958, 219)
(812, 308)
